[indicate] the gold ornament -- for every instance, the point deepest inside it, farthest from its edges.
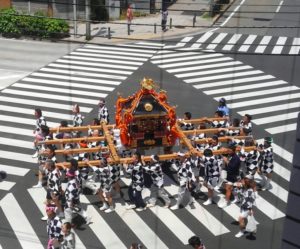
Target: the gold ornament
(148, 107)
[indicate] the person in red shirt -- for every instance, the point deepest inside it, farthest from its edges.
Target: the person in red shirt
(129, 14)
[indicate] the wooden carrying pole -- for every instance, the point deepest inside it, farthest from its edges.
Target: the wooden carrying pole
(110, 142)
(73, 140)
(79, 128)
(223, 151)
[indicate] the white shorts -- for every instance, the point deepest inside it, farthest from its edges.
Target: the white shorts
(212, 182)
(244, 213)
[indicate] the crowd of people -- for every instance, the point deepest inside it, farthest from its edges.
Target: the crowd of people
(232, 172)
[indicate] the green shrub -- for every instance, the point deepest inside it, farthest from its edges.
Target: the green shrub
(14, 24)
(9, 23)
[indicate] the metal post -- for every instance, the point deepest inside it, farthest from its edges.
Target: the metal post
(211, 8)
(170, 23)
(194, 20)
(128, 28)
(87, 19)
(29, 7)
(75, 17)
(108, 33)
(154, 28)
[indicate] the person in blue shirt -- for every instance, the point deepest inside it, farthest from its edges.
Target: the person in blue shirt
(223, 107)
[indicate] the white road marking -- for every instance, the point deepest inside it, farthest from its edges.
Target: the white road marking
(197, 62)
(245, 87)
(181, 43)
(93, 69)
(229, 69)
(295, 48)
(69, 85)
(272, 108)
(74, 62)
(263, 44)
(282, 128)
(250, 39)
(279, 6)
(52, 96)
(215, 65)
(276, 118)
(31, 112)
(179, 57)
(42, 104)
(75, 78)
(86, 57)
(216, 41)
(233, 81)
(264, 100)
(6, 185)
(19, 223)
(110, 240)
(234, 39)
(11, 170)
(202, 39)
(279, 45)
(129, 54)
(80, 73)
(260, 93)
(223, 76)
(111, 48)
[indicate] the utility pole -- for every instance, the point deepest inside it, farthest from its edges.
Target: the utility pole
(75, 17)
(87, 19)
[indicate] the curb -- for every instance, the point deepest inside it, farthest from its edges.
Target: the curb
(223, 11)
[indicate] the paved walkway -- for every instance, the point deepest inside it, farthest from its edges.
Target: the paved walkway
(143, 28)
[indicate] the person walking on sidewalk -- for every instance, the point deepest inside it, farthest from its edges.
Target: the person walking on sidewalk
(164, 19)
(129, 14)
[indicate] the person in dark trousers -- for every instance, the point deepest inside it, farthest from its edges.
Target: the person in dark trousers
(137, 183)
(232, 166)
(164, 19)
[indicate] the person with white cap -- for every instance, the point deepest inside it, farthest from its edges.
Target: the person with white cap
(103, 114)
(266, 162)
(186, 179)
(248, 200)
(157, 177)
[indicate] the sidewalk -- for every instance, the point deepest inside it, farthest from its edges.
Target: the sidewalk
(143, 28)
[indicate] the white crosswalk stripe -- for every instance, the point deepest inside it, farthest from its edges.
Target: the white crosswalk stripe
(241, 43)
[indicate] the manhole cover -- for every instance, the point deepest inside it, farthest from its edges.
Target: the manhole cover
(262, 19)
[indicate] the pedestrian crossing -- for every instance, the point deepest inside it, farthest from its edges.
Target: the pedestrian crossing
(216, 221)
(239, 43)
(85, 72)
(246, 89)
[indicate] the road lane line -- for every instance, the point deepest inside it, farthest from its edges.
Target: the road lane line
(234, 39)
(233, 81)
(202, 39)
(229, 69)
(43, 104)
(282, 128)
(67, 98)
(6, 185)
(250, 39)
(245, 87)
(11, 170)
(295, 48)
(286, 97)
(279, 45)
(276, 118)
(279, 6)
(216, 41)
(260, 93)
(19, 223)
(215, 65)
(263, 44)
(223, 76)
